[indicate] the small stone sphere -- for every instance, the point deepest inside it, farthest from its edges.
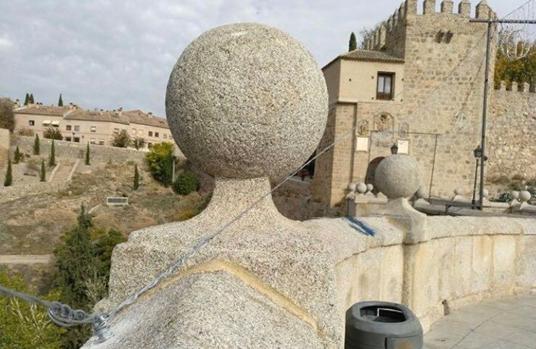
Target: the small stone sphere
(515, 194)
(352, 187)
(362, 188)
(370, 188)
(524, 196)
(245, 101)
(397, 176)
(421, 194)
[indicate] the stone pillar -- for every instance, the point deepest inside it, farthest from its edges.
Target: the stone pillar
(526, 87)
(464, 9)
(411, 8)
(447, 6)
(515, 86)
(429, 6)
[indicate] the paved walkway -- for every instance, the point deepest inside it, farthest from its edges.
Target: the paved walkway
(26, 259)
(504, 324)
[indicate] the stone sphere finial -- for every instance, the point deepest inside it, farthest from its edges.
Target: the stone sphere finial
(397, 176)
(246, 101)
(361, 188)
(524, 196)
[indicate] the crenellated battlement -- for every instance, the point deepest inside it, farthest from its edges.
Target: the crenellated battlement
(417, 8)
(515, 87)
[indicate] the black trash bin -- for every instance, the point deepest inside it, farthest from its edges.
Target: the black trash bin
(382, 325)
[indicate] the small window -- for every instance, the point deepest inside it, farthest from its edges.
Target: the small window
(156, 134)
(386, 86)
(101, 142)
(31, 122)
(68, 139)
(77, 128)
(68, 127)
(93, 129)
(76, 139)
(150, 133)
(92, 141)
(116, 130)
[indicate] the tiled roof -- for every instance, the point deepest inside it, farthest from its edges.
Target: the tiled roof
(141, 118)
(42, 110)
(368, 55)
(106, 116)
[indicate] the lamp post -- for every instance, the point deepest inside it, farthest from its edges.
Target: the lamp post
(477, 154)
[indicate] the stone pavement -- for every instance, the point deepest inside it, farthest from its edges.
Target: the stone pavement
(508, 323)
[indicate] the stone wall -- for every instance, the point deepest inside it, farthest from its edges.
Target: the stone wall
(512, 134)
(18, 191)
(99, 153)
(5, 138)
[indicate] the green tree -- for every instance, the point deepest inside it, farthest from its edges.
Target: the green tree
(43, 173)
(26, 99)
(87, 155)
(37, 145)
(8, 180)
(53, 133)
(352, 44)
(160, 162)
(7, 118)
(24, 325)
(60, 101)
(31, 99)
(520, 70)
(52, 156)
(18, 156)
(136, 178)
(186, 183)
(121, 140)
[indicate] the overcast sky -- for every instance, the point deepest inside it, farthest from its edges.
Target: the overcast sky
(110, 54)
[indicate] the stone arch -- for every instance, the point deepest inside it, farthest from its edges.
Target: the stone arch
(371, 171)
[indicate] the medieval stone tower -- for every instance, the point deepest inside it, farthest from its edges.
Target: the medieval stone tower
(418, 85)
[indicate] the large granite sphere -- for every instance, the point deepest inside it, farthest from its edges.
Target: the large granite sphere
(246, 101)
(397, 176)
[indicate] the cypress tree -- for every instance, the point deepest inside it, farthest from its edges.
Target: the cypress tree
(60, 101)
(43, 174)
(37, 145)
(9, 175)
(52, 158)
(26, 99)
(18, 156)
(31, 98)
(87, 155)
(136, 177)
(352, 45)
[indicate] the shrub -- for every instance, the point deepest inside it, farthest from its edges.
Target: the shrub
(37, 145)
(186, 183)
(136, 178)
(18, 156)
(160, 162)
(8, 180)
(26, 132)
(87, 155)
(121, 140)
(138, 143)
(53, 133)
(7, 118)
(42, 173)
(52, 156)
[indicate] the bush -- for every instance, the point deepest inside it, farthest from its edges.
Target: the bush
(121, 140)
(53, 133)
(7, 118)
(138, 143)
(186, 183)
(26, 132)
(160, 162)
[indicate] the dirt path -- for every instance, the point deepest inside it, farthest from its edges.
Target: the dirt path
(26, 259)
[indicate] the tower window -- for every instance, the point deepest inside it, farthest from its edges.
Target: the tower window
(385, 90)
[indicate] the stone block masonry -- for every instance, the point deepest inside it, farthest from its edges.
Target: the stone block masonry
(5, 137)
(99, 153)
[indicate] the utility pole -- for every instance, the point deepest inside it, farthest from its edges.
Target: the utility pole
(490, 22)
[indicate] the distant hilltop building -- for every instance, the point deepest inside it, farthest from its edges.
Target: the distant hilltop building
(417, 89)
(92, 126)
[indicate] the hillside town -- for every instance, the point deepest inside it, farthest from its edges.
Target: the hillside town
(386, 199)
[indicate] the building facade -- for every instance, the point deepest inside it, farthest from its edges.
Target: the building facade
(419, 86)
(97, 127)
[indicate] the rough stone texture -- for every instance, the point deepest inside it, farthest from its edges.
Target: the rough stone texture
(398, 176)
(245, 101)
(4, 146)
